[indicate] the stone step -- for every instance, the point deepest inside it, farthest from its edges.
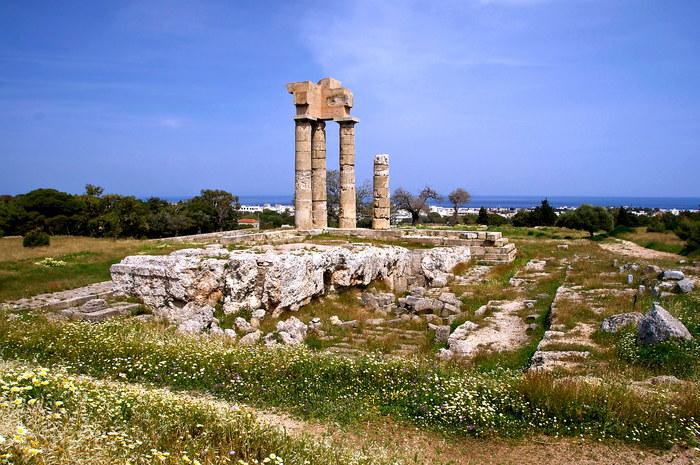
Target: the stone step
(101, 315)
(399, 330)
(343, 351)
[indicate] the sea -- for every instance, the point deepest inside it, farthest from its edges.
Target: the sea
(517, 201)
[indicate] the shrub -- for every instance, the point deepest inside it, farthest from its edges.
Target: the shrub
(35, 238)
(689, 231)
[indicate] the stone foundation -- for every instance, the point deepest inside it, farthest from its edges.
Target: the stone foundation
(276, 278)
(485, 246)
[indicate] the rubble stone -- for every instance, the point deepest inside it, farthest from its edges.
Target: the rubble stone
(614, 323)
(658, 325)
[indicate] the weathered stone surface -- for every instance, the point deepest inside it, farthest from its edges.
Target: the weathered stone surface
(98, 310)
(292, 331)
(685, 286)
(251, 338)
(445, 354)
(188, 275)
(375, 301)
(442, 332)
(655, 269)
(192, 318)
(381, 212)
(438, 262)
(243, 326)
(550, 360)
(63, 299)
(93, 305)
(457, 341)
(658, 325)
(272, 280)
(614, 323)
(414, 304)
(674, 275)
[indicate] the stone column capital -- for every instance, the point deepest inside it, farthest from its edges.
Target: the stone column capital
(302, 118)
(347, 120)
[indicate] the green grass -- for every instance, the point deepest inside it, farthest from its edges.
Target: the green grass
(678, 358)
(499, 402)
(87, 260)
(661, 241)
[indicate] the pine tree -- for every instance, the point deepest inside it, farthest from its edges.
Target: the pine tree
(547, 215)
(483, 216)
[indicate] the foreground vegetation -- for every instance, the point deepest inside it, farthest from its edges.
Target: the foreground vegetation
(497, 402)
(50, 416)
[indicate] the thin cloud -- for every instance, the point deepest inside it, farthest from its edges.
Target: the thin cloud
(171, 123)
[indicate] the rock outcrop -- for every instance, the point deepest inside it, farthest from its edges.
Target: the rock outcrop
(658, 325)
(273, 279)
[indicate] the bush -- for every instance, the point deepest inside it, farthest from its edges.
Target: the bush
(35, 238)
(689, 231)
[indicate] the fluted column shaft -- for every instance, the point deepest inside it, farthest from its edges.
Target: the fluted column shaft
(348, 214)
(381, 207)
(318, 174)
(302, 174)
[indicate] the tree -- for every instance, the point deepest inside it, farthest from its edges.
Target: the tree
(689, 230)
(333, 197)
(92, 190)
(219, 206)
(624, 218)
(364, 207)
(271, 219)
(457, 198)
(545, 214)
(522, 218)
(483, 217)
(542, 215)
(363, 200)
(414, 204)
(587, 218)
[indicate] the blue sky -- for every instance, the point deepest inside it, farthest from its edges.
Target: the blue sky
(518, 97)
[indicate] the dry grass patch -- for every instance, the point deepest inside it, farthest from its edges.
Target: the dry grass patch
(85, 260)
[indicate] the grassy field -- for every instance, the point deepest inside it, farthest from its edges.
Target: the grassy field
(661, 241)
(86, 260)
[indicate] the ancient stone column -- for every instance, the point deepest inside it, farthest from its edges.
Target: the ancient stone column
(318, 174)
(302, 176)
(381, 210)
(348, 215)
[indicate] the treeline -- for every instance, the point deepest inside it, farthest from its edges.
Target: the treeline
(593, 219)
(96, 214)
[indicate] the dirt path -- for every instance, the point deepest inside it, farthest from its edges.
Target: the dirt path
(631, 249)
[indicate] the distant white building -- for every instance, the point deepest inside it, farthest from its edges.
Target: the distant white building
(279, 208)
